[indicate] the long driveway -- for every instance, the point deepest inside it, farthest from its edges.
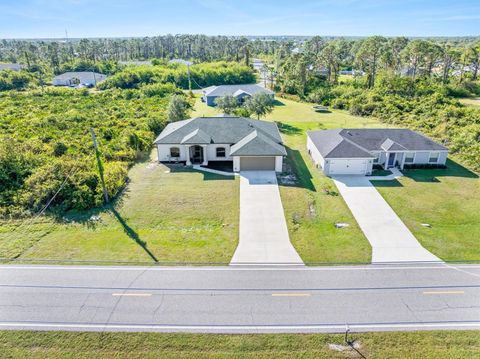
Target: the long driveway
(263, 237)
(240, 299)
(390, 239)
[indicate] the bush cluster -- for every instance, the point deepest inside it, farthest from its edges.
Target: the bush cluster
(204, 74)
(44, 138)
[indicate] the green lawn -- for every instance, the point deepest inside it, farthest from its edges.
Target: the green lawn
(200, 109)
(313, 205)
(160, 217)
(400, 345)
(475, 102)
(449, 200)
(166, 217)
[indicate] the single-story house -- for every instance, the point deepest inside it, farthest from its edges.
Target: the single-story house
(12, 67)
(250, 144)
(241, 92)
(356, 151)
(84, 78)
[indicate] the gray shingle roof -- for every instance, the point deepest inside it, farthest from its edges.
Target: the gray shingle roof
(264, 136)
(83, 76)
(257, 144)
(390, 145)
(372, 138)
(197, 136)
(351, 143)
(331, 144)
(224, 90)
(13, 67)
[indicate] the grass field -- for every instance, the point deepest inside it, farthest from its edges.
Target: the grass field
(475, 102)
(313, 205)
(392, 345)
(448, 200)
(150, 224)
(160, 217)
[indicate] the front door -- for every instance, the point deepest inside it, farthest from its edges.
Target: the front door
(196, 154)
(391, 160)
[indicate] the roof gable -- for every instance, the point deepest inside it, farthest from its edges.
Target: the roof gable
(257, 144)
(196, 136)
(223, 130)
(375, 139)
(351, 143)
(230, 90)
(390, 145)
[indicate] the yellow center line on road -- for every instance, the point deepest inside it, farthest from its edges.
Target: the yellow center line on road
(131, 294)
(290, 295)
(446, 292)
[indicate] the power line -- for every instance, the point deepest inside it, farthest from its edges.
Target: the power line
(49, 202)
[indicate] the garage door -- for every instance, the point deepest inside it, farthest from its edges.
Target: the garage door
(257, 163)
(348, 167)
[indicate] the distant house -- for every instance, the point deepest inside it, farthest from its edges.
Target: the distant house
(79, 79)
(412, 72)
(181, 62)
(136, 63)
(241, 92)
(13, 67)
(351, 72)
(356, 151)
(247, 143)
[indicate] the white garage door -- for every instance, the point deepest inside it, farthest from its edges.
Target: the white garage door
(257, 163)
(348, 167)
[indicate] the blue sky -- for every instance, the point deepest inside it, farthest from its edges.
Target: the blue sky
(95, 18)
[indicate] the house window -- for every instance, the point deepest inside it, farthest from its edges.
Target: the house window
(377, 157)
(409, 157)
(220, 151)
(433, 157)
(174, 152)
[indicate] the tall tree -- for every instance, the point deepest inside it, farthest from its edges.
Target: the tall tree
(177, 109)
(368, 56)
(227, 104)
(450, 55)
(260, 104)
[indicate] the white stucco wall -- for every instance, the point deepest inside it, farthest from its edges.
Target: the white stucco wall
(278, 163)
(212, 153)
(164, 153)
(236, 164)
(315, 154)
(442, 158)
(422, 157)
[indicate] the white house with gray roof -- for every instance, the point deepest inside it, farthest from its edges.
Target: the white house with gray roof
(77, 78)
(241, 92)
(356, 151)
(249, 144)
(11, 67)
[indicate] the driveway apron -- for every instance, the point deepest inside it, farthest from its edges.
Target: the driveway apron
(263, 230)
(390, 239)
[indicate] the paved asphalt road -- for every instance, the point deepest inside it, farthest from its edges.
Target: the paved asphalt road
(240, 299)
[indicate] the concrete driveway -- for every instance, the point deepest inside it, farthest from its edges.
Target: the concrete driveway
(391, 240)
(263, 230)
